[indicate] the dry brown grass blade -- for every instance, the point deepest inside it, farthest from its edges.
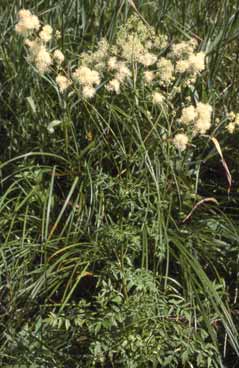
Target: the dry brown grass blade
(205, 200)
(228, 174)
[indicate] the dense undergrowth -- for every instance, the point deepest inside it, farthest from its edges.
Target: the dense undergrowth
(119, 177)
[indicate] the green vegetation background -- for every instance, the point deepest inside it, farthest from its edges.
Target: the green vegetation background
(96, 267)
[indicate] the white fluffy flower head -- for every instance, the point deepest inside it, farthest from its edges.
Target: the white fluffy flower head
(149, 76)
(27, 22)
(166, 70)
(123, 72)
(62, 82)
(148, 59)
(197, 62)
(46, 33)
(180, 141)
(112, 63)
(88, 92)
(43, 60)
(86, 76)
(113, 86)
(231, 127)
(188, 115)
(158, 98)
(203, 122)
(184, 49)
(58, 56)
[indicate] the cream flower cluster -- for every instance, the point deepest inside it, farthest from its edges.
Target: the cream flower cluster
(113, 86)
(46, 33)
(158, 98)
(39, 53)
(187, 60)
(180, 141)
(199, 117)
(189, 114)
(136, 41)
(147, 59)
(96, 59)
(27, 22)
(134, 60)
(106, 63)
(194, 64)
(43, 59)
(203, 120)
(165, 70)
(233, 122)
(86, 76)
(63, 82)
(58, 56)
(183, 49)
(149, 76)
(132, 49)
(136, 44)
(88, 80)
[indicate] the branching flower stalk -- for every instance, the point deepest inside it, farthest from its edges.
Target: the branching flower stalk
(110, 70)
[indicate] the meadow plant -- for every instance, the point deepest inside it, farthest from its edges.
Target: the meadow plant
(118, 252)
